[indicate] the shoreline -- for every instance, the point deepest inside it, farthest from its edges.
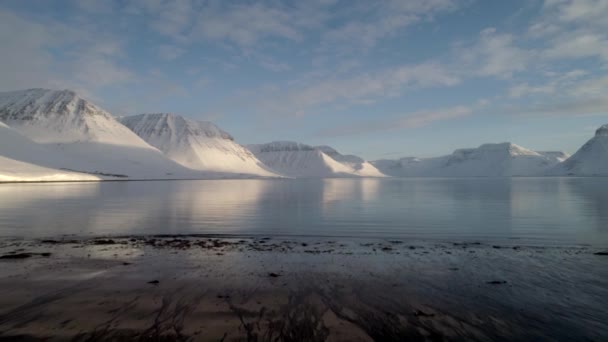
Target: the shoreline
(253, 177)
(415, 239)
(266, 288)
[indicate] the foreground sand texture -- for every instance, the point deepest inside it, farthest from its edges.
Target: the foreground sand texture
(199, 288)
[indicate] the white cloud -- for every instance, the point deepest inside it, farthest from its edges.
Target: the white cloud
(524, 89)
(365, 35)
(579, 94)
(25, 59)
(424, 118)
(585, 11)
(202, 82)
(170, 52)
(572, 29)
(52, 54)
(169, 18)
(495, 54)
(567, 107)
(422, 6)
(578, 44)
(565, 30)
(95, 6)
(379, 20)
(553, 82)
(95, 71)
(273, 65)
(245, 25)
(594, 88)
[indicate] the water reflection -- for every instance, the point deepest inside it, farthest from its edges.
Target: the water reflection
(592, 202)
(571, 210)
(34, 209)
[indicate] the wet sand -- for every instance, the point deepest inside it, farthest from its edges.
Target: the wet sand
(201, 288)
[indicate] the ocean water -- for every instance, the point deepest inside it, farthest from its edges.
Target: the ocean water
(562, 211)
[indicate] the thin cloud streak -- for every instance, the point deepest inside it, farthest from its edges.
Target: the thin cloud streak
(410, 121)
(365, 88)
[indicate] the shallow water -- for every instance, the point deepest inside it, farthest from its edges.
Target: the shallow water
(564, 211)
(299, 289)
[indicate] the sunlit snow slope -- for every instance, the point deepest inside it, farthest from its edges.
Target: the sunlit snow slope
(298, 160)
(195, 144)
(21, 160)
(360, 166)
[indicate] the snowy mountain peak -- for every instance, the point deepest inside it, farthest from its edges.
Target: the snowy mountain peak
(590, 160)
(330, 151)
(295, 159)
(31, 104)
(512, 149)
(195, 144)
(172, 124)
(62, 116)
(326, 149)
(602, 131)
(360, 166)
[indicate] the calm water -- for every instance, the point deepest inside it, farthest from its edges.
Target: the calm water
(539, 210)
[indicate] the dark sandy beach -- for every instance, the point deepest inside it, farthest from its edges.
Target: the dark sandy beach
(201, 288)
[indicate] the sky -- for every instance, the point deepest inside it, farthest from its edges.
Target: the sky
(380, 79)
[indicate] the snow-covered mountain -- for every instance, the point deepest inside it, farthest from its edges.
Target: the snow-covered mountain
(298, 160)
(488, 160)
(58, 135)
(360, 166)
(590, 160)
(62, 116)
(195, 144)
(80, 136)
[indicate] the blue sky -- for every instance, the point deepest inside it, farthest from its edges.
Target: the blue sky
(382, 79)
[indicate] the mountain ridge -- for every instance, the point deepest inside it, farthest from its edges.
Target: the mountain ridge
(298, 160)
(488, 160)
(45, 130)
(199, 145)
(82, 136)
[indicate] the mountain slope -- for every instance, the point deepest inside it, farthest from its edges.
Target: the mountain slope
(360, 166)
(195, 144)
(488, 160)
(590, 160)
(298, 160)
(87, 138)
(556, 156)
(20, 158)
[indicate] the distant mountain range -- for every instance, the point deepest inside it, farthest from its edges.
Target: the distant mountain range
(488, 160)
(56, 135)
